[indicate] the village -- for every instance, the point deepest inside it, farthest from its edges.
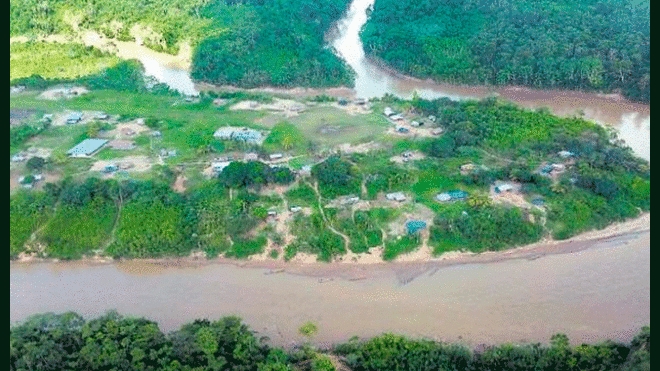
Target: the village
(135, 147)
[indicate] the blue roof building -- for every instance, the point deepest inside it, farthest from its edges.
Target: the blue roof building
(415, 226)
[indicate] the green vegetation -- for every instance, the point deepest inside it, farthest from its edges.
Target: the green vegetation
(246, 43)
(336, 177)
(483, 228)
(254, 173)
(74, 230)
(68, 341)
(27, 212)
(599, 45)
(56, 61)
(402, 245)
(271, 43)
(308, 329)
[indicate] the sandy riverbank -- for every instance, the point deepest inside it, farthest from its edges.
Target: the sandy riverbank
(357, 267)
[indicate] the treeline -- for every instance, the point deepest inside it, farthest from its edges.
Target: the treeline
(161, 24)
(69, 342)
(135, 219)
(246, 43)
(593, 45)
(277, 43)
(125, 76)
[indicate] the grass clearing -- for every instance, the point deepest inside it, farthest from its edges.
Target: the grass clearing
(56, 61)
(332, 126)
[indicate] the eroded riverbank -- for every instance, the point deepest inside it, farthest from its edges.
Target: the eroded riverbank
(594, 287)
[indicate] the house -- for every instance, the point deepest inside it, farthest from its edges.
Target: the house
(218, 166)
(74, 117)
(414, 226)
(276, 156)
(295, 209)
(251, 157)
(109, 169)
(506, 187)
(102, 116)
(352, 200)
(416, 124)
(306, 170)
(239, 134)
(127, 132)
(360, 101)
(388, 111)
(18, 158)
(171, 153)
(396, 117)
(47, 117)
(402, 129)
(407, 154)
(87, 147)
(156, 133)
(432, 118)
(437, 131)
(558, 167)
(546, 169)
(397, 196)
(455, 195)
(272, 213)
(565, 154)
(538, 201)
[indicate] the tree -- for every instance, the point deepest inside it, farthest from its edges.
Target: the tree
(35, 163)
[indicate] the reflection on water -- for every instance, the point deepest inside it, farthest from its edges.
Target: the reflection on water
(632, 120)
(602, 292)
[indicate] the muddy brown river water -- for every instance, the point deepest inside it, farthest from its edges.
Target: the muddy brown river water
(598, 293)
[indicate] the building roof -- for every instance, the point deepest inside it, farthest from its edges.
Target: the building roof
(415, 225)
(74, 116)
(87, 147)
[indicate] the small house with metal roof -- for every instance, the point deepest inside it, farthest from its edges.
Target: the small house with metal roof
(87, 147)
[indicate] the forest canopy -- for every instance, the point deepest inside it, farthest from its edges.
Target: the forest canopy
(601, 45)
(246, 43)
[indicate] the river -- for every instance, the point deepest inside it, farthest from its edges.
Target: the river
(593, 294)
(632, 120)
(597, 293)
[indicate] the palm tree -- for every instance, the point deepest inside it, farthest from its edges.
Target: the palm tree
(478, 200)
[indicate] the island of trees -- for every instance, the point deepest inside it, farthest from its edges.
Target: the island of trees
(68, 342)
(592, 45)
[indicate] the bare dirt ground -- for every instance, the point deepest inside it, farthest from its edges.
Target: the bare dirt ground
(59, 118)
(63, 93)
(179, 184)
(414, 155)
(288, 107)
(16, 116)
(124, 130)
(353, 109)
(131, 163)
(341, 92)
(359, 148)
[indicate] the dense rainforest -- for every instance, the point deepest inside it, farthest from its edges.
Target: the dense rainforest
(114, 342)
(591, 45)
(246, 43)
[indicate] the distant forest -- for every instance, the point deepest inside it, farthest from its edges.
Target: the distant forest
(246, 43)
(591, 45)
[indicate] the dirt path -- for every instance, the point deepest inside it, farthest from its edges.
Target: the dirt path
(345, 237)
